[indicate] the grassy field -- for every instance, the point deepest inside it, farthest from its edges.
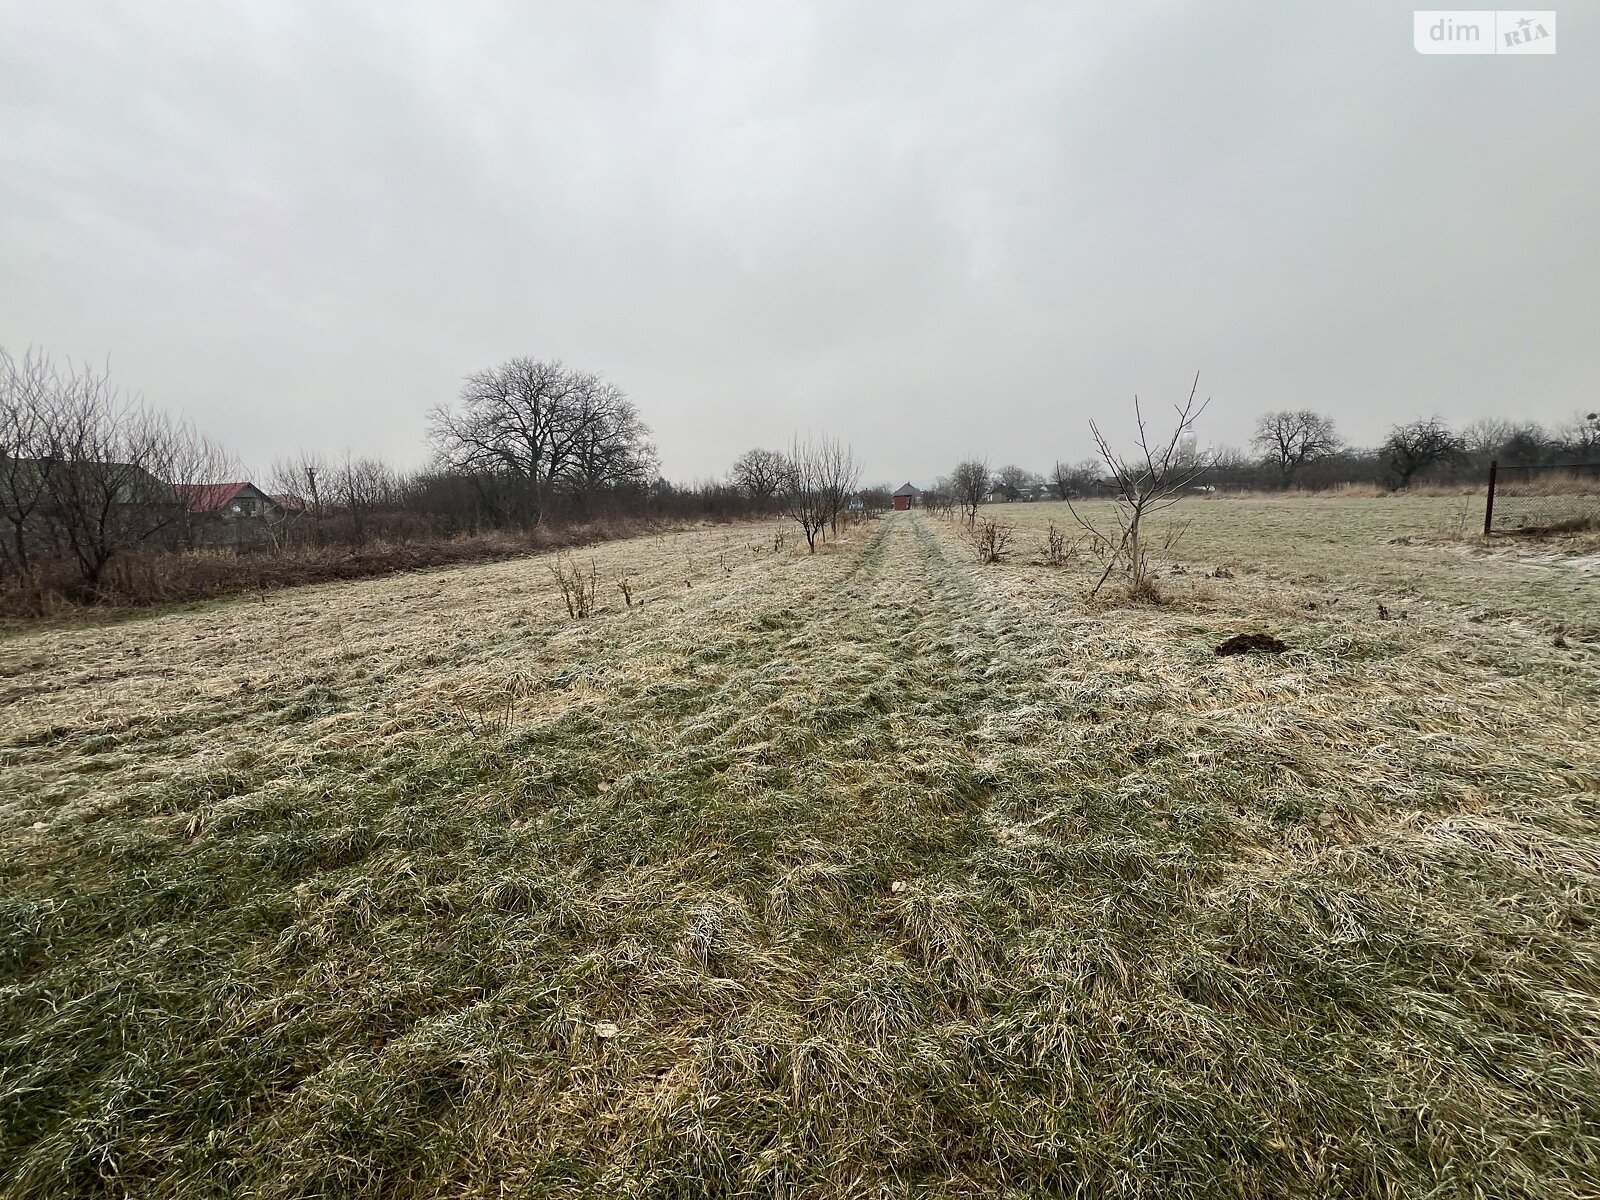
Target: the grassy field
(874, 873)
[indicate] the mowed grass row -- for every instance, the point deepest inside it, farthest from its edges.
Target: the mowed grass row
(874, 873)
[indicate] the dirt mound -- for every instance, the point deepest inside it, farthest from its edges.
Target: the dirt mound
(1251, 643)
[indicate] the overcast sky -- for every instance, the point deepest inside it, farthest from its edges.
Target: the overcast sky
(932, 229)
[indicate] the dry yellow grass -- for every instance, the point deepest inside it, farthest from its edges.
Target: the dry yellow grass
(878, 872)
(1397, 548)
(243, 675)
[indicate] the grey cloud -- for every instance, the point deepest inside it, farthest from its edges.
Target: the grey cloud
(932, 230)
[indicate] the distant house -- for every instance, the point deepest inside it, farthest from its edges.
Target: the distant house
(289, 502)
(226, 499)
(86, 510)
(98, 491)
(229, 513)
(906, 496)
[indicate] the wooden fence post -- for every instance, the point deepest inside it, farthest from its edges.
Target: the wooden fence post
(1488, 508)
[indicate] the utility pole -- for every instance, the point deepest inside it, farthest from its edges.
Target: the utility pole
(316, 504)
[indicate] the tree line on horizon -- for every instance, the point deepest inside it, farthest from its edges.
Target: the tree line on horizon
(95, 483)
(1302, 449)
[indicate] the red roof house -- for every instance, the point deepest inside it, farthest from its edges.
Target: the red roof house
(226, 499)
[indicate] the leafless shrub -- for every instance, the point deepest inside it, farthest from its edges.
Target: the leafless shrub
(579, 588)
(991, 541)
(1152, 480)
(518, 686)
(1145, 590)
(1056, 550)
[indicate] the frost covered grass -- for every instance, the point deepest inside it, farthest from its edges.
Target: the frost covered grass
(875, 873)
(1402, 550)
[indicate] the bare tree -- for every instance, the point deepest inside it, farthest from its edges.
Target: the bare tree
(526, 427)
(1147, 482)
(87, 473)
(803, 496)
(1579, 438)
(1512, 443)
(604, 443)
(192, 460)
(24, 387)
(305, 485)
(1287, 439)
(1414, 447)
(841, 476)
(359, 489)
(759, 473)
(1069, 480)
(1483, 438)
(302, 478)
(1013, 482)
(877, 498)
(1528, 445)
(1230, 467)
(968, 485)
(100, 466)
(506, 423)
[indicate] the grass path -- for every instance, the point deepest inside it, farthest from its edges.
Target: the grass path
(870, 873)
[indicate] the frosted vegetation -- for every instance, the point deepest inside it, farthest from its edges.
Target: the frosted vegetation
(878, 871)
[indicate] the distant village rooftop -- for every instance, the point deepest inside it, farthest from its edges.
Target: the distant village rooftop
(209, 497)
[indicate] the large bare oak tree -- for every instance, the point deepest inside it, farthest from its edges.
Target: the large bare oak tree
(528, 429)
(1287, 439)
